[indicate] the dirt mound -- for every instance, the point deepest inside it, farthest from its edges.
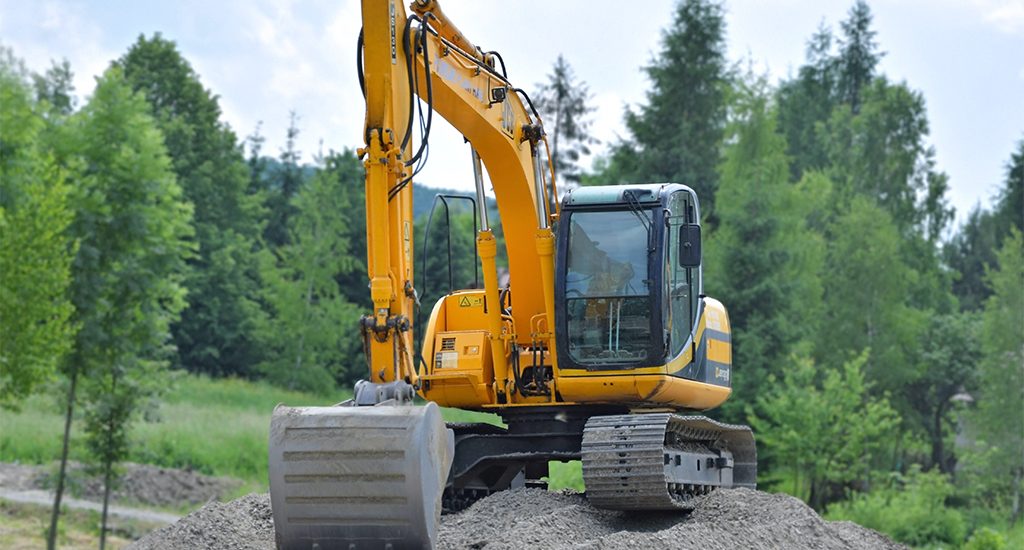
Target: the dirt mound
(155, 486)
(139, 484)
(537, 519)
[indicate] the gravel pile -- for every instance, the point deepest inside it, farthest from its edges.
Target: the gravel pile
(243, 524)
(542, 520)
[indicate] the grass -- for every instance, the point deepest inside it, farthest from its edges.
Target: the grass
(217, 427)
(24, 526)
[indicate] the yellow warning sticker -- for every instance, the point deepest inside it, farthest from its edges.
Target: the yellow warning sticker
(471, 301)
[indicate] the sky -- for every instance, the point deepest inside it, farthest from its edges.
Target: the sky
(268, 58)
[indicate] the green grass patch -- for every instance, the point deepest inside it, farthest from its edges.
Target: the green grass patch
(217, 427)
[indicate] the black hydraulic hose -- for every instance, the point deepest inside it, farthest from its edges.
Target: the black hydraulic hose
(409, 77)
(500, 60)
(359, 63)
(430, 92)
(526, 96)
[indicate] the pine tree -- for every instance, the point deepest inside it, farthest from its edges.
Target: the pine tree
(806, 103)
(564, 104)
(973, 248)
(676, 136)
(858, 55)
(282, 188)
(216, 331)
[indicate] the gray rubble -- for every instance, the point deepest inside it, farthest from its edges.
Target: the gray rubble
(543, 520)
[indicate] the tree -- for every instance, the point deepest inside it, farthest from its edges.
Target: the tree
(284, 184)
(132, 223)
(35, 254)
(676, 135)
(763, 259)
(309, 338)
(858, 55)
(216, 332)
(942, 374)
(1010, 203)
(56, 87)
(880, 152)
(999, 417)
(866, 283)
(823, 425)
(974, 246)
(805, 103)
(565, 104)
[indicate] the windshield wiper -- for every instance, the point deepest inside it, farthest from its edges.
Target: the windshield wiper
(641, 214)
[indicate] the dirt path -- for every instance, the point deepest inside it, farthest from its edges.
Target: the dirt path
(140, 486)
(44, 498)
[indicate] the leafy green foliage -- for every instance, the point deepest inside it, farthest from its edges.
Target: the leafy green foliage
(763, 259)
(986, 539)
(216, 332)
(822, 425)
(911, 509)
(943, 370)
(132, 223)
(35, 254)
(997, 463)
(309, 337)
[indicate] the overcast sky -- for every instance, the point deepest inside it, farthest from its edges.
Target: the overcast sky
(265, 58)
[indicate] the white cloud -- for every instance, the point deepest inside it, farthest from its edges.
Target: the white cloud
(1005, 15)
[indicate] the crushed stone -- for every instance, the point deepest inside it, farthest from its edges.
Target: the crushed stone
(244, 524)
(543, 520)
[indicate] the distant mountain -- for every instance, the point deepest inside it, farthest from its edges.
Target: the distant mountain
(422, 194)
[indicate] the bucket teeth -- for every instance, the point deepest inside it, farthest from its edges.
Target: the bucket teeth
(358, 477)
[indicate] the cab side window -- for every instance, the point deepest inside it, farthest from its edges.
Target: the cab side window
(682, 285)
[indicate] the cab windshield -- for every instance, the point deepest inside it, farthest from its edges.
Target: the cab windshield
(607, 287)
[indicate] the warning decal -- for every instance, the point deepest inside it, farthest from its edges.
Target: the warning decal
(471, 301)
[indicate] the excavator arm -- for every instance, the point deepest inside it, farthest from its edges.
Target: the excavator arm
(424, 57)
(370, 472)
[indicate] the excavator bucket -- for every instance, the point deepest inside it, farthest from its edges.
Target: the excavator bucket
(358, 477)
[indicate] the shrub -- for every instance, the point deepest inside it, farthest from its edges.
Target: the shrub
(911, 509)
(986, 539)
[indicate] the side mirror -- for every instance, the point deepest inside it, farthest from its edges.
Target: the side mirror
(689, 245)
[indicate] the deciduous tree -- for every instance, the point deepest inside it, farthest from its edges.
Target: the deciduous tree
(132, 223)
(216, 332)
(35, 252)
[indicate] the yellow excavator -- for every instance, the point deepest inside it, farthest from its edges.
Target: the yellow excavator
(601, 346)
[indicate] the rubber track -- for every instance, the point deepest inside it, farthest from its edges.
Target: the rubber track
(623, 458)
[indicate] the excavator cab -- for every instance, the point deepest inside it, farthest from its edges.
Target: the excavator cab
(629, 300)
